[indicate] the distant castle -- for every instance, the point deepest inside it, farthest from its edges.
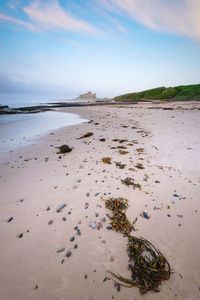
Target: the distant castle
(88, 95)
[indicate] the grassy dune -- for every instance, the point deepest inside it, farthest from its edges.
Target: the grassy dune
(182, 92)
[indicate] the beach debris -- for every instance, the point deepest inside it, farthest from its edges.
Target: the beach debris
(147, 264)
(102, 139)
(64, 149)
(131, 182)
(60, 207)
(106, 160)
(86, 135)
(10, 219)
(145, 214)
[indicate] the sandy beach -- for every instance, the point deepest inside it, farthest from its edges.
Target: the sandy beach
(35, 181)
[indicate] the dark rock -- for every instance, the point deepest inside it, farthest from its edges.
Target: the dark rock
(61, 249)
(20, 235)
(109, 227)
(78, 232)
(86, 135)
(10, 219)
(72, 239)
(68, 254)
(64, 149)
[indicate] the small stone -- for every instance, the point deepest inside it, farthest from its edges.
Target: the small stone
(75, 246)
(50, 222)
(92, 225)
(64, 219)
(61, 249)
(78, 232)
(109, 227)
(111, 258)
(10, 219)
(36, 287)
(76, 227)
(68, 254)
(60, 207)
(72, 239)
(48, 208)
(85, 276)
(96, 215)
(20, 235)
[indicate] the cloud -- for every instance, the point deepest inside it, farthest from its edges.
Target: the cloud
(178, 16)
(50, 15)
(16, 21)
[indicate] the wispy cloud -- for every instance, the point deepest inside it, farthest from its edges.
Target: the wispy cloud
(18, 22)
(50, 15)
(178, 16)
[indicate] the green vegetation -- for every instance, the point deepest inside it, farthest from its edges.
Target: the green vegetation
(177, 93)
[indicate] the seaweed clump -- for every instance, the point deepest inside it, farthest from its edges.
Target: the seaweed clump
(131, 182)
(120, 165)
(107, 160)
(147, 264)
(119, 221)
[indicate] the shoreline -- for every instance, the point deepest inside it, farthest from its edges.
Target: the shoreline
(37, 176)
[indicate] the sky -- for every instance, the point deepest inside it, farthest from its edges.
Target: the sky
(68, 47)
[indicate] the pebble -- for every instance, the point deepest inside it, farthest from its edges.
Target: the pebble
(92, 225)
(10, 219)
(68, 254)
(50, 222)
(64, 219)
(109, 227)
(20, 235)
(60, 207)
(75, 246)
(72, 239)
(61, 249)
(78, 232)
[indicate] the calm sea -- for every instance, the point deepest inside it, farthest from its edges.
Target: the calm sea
(21, 100)
(22, 129)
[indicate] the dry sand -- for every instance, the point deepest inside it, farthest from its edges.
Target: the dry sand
(34, 181)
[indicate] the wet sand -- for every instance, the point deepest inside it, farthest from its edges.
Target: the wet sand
(35, 181)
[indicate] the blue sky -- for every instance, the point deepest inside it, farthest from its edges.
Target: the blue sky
(111, 47)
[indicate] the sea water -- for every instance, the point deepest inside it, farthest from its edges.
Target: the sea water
(22, 129)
